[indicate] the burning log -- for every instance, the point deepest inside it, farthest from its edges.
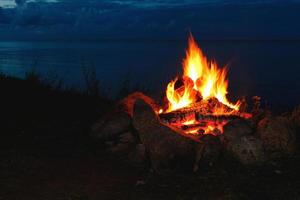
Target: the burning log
(193, 126)
(177, 117)
(203, 110)
(219, 118)
(196, 129)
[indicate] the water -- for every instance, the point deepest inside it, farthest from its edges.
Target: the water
(268, 69)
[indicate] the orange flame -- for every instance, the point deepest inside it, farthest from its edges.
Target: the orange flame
(181, 97)
(200, 76)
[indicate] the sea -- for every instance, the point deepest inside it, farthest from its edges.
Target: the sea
(269, 69)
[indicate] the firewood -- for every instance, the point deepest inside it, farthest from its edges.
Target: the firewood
(219, 118)
(178, 117)
(193, 126)
(200, 111)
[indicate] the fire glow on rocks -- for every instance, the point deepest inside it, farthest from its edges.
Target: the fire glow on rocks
(197, 102)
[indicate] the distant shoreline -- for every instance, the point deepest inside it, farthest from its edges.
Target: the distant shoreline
(76, 40)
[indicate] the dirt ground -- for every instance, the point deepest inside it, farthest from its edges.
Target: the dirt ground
(99, 176)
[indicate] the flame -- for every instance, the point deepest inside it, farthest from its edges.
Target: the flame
(181, 97)
(195, 62)
(208, 129)
(201, 76)
(201, 82)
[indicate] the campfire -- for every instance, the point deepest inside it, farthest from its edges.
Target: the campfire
(197, 102)
(196, 122)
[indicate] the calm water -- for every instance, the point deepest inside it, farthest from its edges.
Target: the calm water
(268, 69)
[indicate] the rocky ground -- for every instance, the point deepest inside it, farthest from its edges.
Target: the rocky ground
(46, 153)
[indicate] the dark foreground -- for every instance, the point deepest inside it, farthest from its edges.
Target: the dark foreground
(46, 153)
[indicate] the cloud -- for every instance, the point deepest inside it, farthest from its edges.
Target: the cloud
(7, 3)
(94, 19)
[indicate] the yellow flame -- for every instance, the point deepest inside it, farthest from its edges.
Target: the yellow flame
(195, 62)
(179, 99)
(207, 79)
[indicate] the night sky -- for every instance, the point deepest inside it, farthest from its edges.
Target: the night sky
(149, 19)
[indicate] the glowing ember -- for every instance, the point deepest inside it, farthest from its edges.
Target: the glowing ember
(201, 82)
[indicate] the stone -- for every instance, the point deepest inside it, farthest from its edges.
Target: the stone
(129, 102)
(209, 151)
(277, 135)
(165, 146)
(248, 150)
(235, 129)
(213, 146)
(295, 116)
(239, 141)
(111, 125)
(138, 154)
(117, 132)
(122, 145)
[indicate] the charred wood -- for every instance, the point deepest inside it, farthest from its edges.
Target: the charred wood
(193, 126)
(177, 117)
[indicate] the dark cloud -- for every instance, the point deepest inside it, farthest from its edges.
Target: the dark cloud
(20, 2)
(92, 19)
